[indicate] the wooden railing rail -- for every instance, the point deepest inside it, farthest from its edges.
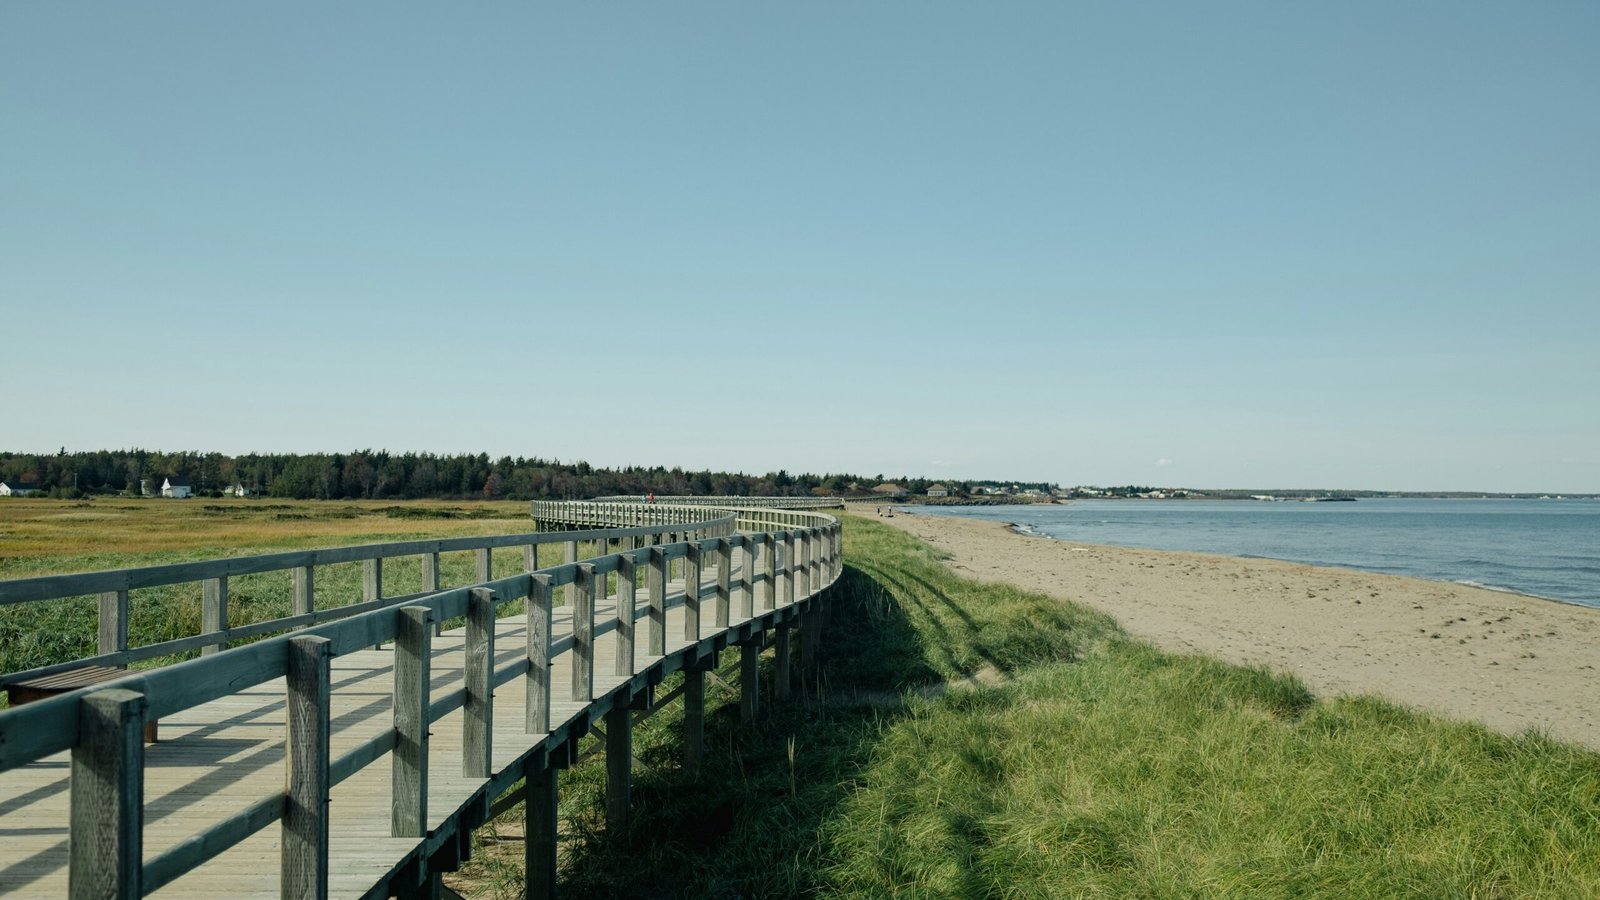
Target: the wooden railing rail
(732, 502)
(789, 569)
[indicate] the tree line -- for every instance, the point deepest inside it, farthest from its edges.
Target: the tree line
(380, 474)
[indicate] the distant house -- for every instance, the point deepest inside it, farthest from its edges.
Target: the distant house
(175, 487)
(938, 490)
(236, 490)
(890, 490)
(20, 487)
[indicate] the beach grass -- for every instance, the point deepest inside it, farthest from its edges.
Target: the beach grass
(975, 740)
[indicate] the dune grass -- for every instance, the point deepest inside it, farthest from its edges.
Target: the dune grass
(1098, 766)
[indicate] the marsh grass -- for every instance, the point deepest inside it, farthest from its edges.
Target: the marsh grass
(1099, 767)
(48, 537)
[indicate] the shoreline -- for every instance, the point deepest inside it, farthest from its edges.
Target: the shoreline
(1509, 660)
(1023, 529)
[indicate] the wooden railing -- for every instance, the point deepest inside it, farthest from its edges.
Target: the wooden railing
(729, 502)
(113, 586)
(784, 572)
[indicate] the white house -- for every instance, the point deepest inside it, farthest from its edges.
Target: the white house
(236, 490)
(175, 487)
(938, 490)
(18, 488)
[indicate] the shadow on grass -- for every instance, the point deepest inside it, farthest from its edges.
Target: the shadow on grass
(750, 824)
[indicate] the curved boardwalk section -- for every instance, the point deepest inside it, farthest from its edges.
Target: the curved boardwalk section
(353, 758)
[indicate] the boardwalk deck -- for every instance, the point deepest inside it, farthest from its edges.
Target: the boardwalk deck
(217, 758)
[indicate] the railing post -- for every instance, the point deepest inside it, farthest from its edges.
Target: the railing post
(583, 635)
(113, 622)
(412, 665)
(789, 567)
(769, 574)
(724, 563)
(430, 572)
(485, 564)
(304, 582)
(802, 567)
(656, 585)
(304, 841)
(691, 593)
(536, 706)
(477, 736)
(816, 577)
(372, 579)
(530, 558)
(627, 604)
(214, 612)
(105, 843)
(747, 576)
(572, 557)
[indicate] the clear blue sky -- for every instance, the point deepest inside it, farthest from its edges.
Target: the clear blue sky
(1220, 244)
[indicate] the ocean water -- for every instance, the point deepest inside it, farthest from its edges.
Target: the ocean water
(1546, 548)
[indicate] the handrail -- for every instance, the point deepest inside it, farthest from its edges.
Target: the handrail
(803, 557)
(730, 501)
(113, 585)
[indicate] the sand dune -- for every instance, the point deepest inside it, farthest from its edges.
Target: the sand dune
(1509, 661)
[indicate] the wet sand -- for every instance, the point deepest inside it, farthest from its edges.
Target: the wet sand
(1509, 661)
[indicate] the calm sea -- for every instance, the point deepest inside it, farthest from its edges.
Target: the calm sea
(1547, 548)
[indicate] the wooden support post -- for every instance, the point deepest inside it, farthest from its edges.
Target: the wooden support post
(780, 662)
(214, 611)
(723, 601)
(572, 557)
(477, 735)
(114, 622)
(691, 593)
(539, 832)
(627, 604)
(750, 678)
(808, 642)
(536, 706)
(769, 573)
(413, 647)
(430, 573)
(802, 567)
(694, 718)
(304, 841)
(789, 566)
(372, 579)
(530, 558)
(619, 767)
(656, 585)
(485, 564)
(747, 578)
(105, 843)
(583, 635)
(305, 590)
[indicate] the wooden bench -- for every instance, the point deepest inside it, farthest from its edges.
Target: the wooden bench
(20, 692)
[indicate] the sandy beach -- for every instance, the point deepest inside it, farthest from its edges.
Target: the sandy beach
(1509, 661)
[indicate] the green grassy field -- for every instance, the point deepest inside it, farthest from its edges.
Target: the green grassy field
(1092, 766)
(965, 740)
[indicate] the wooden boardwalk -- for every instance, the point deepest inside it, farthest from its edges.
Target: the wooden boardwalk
(219, 757)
